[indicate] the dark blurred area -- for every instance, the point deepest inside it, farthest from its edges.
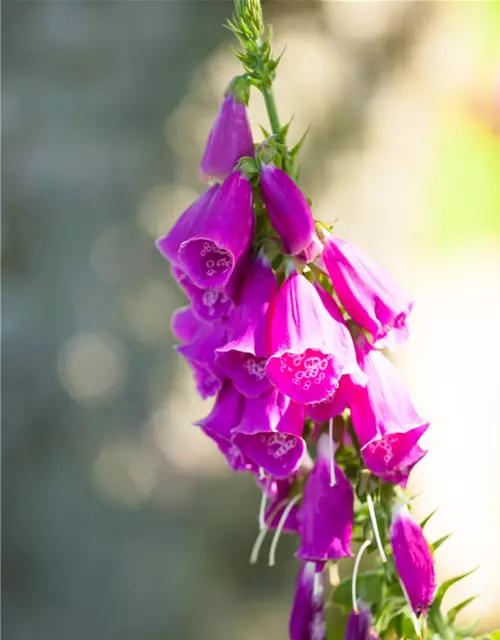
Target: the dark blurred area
(119, 521)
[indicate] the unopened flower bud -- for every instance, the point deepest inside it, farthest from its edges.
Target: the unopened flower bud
(413, 559)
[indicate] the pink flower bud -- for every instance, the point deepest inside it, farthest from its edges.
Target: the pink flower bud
(307, 621)
(288, 209)
(229, 140)
(413, 560)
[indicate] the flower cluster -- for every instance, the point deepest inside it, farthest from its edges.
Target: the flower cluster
(285, 327)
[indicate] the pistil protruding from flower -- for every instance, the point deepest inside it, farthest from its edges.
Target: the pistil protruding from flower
(376, 532)
(279, 529)
(332, 453)
(254, 555)
(355, 570)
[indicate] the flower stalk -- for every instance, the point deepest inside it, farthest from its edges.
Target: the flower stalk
(294, 373)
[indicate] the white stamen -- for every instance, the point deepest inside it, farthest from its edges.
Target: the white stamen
(279, 529)
(263, 504)
(254, 556)
(362, 549)
(318, 585)
(373, 518)
(262, 473)
(332, 454)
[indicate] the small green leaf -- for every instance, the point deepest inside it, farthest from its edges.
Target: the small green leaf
(441, 592)
(369, 588)
(427, 518)
(284, 129)
(454, 611)
(437, 622)
(273, 65)
(294, 151)
(435, 545)
(265, 131)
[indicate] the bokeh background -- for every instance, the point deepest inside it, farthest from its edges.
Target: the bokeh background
(120, 521)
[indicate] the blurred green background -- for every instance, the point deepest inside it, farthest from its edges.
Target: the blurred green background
(119, 520)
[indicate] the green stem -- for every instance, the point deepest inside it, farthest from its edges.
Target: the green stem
(272, 111)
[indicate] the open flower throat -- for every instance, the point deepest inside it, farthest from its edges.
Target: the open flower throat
(285, 326)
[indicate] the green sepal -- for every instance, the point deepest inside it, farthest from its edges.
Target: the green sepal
(267, 153)
(240, 88)
(435, 545)
(284, 130)
(294, 151)
(427, 518)
(454, 611)
(273, 64)
(443, 588)
(249, 167)
(266, 133)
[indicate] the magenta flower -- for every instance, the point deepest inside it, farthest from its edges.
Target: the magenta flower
(413, 559)
(368, 292)
(327, 511)
(185, 227)
(288, 209)
(222, 234)
(184, 324)
(359, 625)
(383, 416)
(226, 413)
(208, 379)
(307, 620)
(202, 348)
(234, 457)
(244, 358)
(229, 140)
(208, 304)
(332, 406)
(270, 433)
(200, 354)
(311, 348)
(279, 493)
(401, 473)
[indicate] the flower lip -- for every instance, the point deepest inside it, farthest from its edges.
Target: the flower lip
(208, 264)
(307, 376)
